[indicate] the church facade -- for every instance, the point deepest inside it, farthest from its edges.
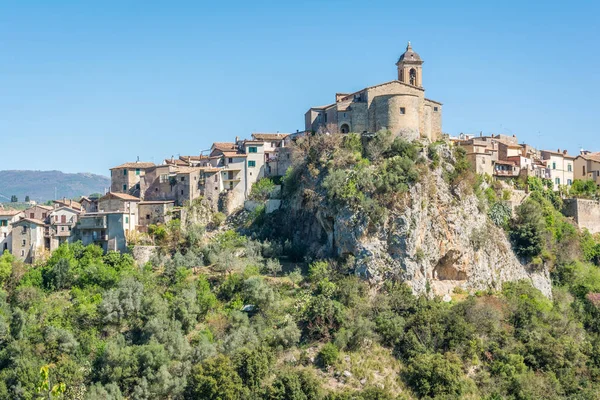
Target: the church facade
(399, 106)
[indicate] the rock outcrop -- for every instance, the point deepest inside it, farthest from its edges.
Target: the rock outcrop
(437, 240)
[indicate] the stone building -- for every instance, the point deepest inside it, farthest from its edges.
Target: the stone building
(28, 239)
(125, 178)
(7, 218)
(277, 152)
(38, 212)
(587, 166)
(399, 106)
(60, 224)
(122, 203)
(154, 212)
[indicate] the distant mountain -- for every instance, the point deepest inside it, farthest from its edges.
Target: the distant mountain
(41, 186)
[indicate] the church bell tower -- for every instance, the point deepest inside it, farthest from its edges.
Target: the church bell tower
(410, 68)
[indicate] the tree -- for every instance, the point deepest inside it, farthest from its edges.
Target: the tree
(432, 375)
(14, 199)
(27, 199)
(6, 265)
(527, 230)
(217, 379)
(273, 266)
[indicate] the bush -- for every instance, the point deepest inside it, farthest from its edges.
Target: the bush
(433, 375)
(217, 379)
(262, 189)
(328, 355)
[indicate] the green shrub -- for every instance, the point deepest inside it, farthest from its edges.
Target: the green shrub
(262, 189)
(328, 355)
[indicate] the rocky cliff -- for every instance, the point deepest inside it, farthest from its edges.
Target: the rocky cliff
(436, 240)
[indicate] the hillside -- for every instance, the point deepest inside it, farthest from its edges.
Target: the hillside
(391, 272)
(42, 185)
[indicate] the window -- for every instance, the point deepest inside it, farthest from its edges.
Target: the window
(137, 171)
(147, 216)
(22, 253)
(216, 178)
(31, 215)
(251, 164)
(230, 160)
(62, 228)
(124, 188)
(435, 109)
(182, 192)
(126, 220)
(553, 165)
(3, 222)
(124, 172)
(44, 215)
(252, 149)
(557, 181)
(182, 179)
(402, 110)
(24, 230)
(569, 182)
(23, 242)
(569, 168)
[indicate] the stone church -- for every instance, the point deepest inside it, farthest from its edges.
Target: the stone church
(399, 105)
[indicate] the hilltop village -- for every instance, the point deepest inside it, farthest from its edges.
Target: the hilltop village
(144, 194)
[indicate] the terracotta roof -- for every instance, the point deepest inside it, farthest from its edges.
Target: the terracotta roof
(591, 156)
(35, 221)
(558, 153)
(157, 202)
(69, 203)
(270, 136)
(253, 141)
(224, 146)
(136, 164)
(193, 158)
(175, 161)
(10, 213)
(234, 154)
(187, 170)
(120, 196)
(505, 162)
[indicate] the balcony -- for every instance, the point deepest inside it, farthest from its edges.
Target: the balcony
(92, 222)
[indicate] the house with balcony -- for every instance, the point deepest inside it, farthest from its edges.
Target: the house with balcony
(58, 230)
(106, 229)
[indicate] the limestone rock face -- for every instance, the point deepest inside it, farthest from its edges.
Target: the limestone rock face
(436, 241)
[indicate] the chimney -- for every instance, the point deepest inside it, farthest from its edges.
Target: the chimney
(138, 159)
(565, 152)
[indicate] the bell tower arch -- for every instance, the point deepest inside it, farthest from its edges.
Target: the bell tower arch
(410, 67)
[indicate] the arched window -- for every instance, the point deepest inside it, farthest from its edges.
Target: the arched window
(345, 128)
(413, 77)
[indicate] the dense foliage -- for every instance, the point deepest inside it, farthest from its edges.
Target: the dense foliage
(219, 315)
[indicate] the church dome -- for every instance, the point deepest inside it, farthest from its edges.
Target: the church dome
(410, 55)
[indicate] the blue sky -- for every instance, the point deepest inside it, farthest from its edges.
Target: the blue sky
(88, 85)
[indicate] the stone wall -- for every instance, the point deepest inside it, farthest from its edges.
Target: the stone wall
(586, 213)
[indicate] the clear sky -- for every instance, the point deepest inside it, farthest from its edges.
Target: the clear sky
(88, 85)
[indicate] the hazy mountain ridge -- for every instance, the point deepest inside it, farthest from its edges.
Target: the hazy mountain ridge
(43, 185)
